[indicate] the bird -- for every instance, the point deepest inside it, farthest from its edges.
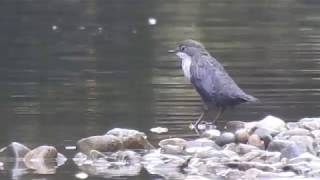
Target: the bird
(209, 78)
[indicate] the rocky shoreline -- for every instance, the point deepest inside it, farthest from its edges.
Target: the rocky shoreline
(269, 148)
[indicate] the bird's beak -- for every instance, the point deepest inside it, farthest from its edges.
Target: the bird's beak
(173, 50)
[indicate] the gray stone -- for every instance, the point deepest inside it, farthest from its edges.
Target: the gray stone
(173, 146)
(225, 138)
(104, 143)
(211, 134)
(43, 159)
(242, 135)
(131, 139)
(272, 123)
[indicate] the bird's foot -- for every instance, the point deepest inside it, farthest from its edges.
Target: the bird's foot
(202, 126)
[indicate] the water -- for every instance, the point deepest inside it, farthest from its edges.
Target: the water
(71, 69)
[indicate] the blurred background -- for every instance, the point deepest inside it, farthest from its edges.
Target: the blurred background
(75, 68)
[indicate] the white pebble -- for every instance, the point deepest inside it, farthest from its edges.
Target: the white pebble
(152, 21)
(70, 147)
(54, 27)
(81, 175)
(159, 130)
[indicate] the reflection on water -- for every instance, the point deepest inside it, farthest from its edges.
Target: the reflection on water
(72, 68)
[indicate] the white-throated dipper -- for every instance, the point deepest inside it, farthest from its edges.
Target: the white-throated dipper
(216, 88)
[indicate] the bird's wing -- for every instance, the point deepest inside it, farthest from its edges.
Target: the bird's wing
(213, 83)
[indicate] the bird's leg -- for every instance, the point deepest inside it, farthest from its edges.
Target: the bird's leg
(199, 119)
(220, 112)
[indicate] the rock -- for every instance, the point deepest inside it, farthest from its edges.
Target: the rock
(261, 156)
(131, 139)
(240, 148)
(106, 143)
(173, 145)
(201, 145)
(193, 177)
(292, 125)
(211, 134)
(242, 135)
(159, 130)
(296, 132)
(265, 133)
(166, 165)
(110, 164)
(43, 159)
(217, 155)
(243, 166)
(305, 143)
(256, 141)
(291, 151)
(225, 138)
(14, 150)
(309, 123)
(272, 123)
(233, 126)
(304, 157)
(278, 145)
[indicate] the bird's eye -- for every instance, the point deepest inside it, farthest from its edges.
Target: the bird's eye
(182, 48)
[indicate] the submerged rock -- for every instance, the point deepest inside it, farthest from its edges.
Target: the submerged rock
(14, 150)
(165, 165)
(106, 143)
(44, 159)
(131, 139)
(109, 164)
(173, 145)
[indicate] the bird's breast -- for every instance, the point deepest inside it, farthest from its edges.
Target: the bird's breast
(186, 63)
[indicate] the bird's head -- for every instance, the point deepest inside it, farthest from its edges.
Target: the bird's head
(188, 48)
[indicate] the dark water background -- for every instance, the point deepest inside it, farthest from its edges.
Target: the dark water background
(75, 68)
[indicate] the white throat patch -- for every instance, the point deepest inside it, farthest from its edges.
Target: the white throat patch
(186, 63)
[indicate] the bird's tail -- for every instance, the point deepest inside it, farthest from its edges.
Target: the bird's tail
(251, 99)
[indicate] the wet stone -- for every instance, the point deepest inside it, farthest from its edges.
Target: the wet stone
(14, 150)
(225, 138)
(201, 145)
(255, 140)
(240, 148)
(173, 146)
(104, 143)
(291, 151)
(131, 139)
(296, 132)
(306, 143)
(211, 134)
(309, 123)
(242, 135)
(44, 159)
(272, 123)
(292, 125)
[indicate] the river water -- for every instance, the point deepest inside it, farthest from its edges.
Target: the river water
(71, 68)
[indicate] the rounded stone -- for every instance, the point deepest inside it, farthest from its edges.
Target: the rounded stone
(272, 123)
(211, 134)
(242, 135)
(131, 139)
(106, 143)
(173, 145)
(255, 140)
(225, 138)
